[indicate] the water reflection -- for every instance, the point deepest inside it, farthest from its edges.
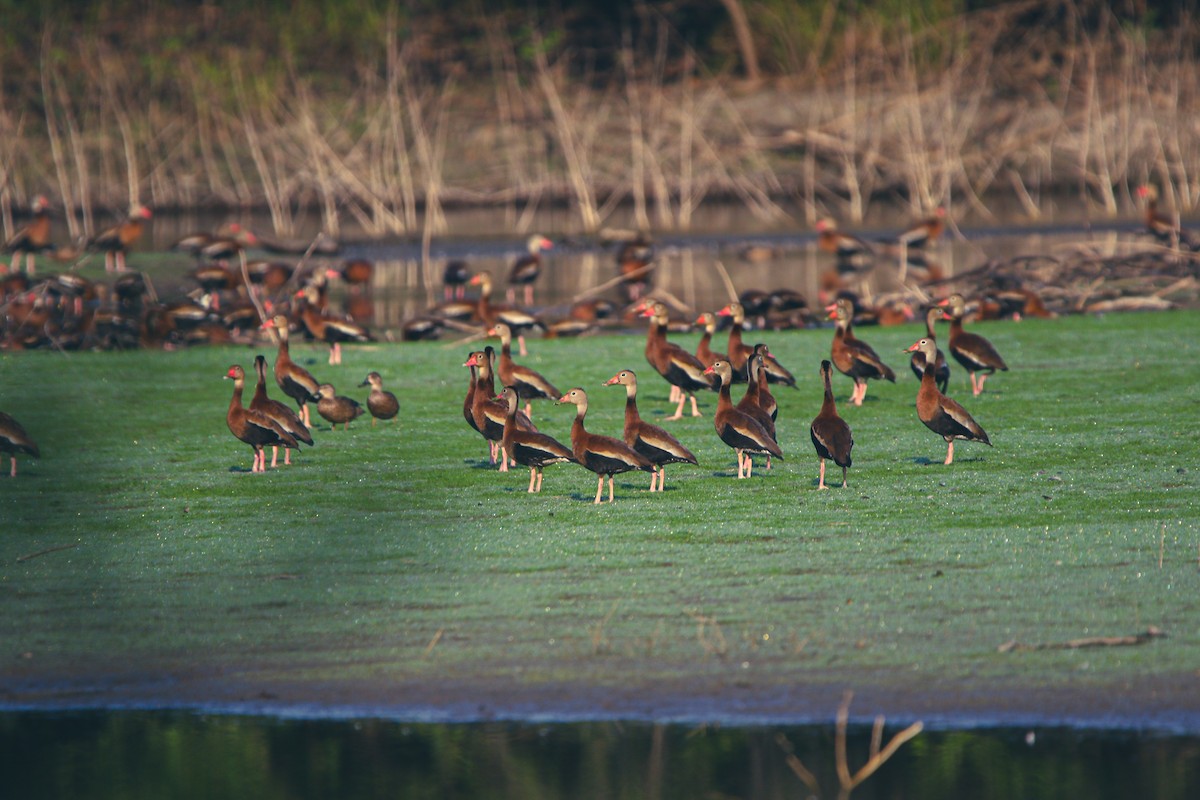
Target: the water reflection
(180, 755)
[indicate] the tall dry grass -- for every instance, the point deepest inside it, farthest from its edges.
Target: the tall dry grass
(969, 113)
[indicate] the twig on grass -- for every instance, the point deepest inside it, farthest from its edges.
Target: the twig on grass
(1150, 634)
(437, 637)
(47, 551)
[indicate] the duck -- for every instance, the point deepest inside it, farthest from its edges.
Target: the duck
(660, 447)
(736, 428)
(271, 275)
(925, 231)
(851, 252)
(1162, 227)
(529, 448)
(603, 455)
(677, 366)
(739, 351)
(286, 418)
(295, 381)
(518, 321)
(764, 397)
(354, 272)
(975, 353)
(704, 351)
(32, 238)
(940, 414)
(853, 357)
(635, 262)
(331, 330)
(214, 278)
(529, 383)
(526, 269)
(830, 433)
(13, 440)
(941, 368)
(455, 275)
(255, 428)
(382, 404)
(751, 403)
(487, 413)
(335, 408)
(116, 241)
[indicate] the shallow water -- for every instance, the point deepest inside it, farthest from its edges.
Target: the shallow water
(182, 755)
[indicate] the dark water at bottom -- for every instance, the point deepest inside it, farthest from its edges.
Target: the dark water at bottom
(138, 754)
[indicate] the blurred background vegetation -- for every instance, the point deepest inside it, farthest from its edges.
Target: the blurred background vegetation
(383, 111)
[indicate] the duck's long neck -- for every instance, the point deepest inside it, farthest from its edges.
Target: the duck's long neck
(235, 402)
(724, 401)
(828, 405)
(631, 410)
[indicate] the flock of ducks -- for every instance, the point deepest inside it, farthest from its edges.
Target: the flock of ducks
(748, 426)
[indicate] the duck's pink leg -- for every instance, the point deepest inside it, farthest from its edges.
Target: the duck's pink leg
(532, 478)
(599, 489)
(821, 478)
(695, 410)
(950, 452)
(274, 456)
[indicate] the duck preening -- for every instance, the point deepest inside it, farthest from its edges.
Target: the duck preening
(830, 433)
(381, 403)
(603, 455)
(738, 429)
(940, 414)
(975, 353)
(255, 428)
(13, 440)
(651, 441)
(528, 448)
(286, 418)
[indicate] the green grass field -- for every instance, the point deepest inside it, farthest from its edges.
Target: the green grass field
(141, 561)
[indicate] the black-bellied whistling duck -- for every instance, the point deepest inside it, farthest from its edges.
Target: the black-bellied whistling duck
(751, 404)
(13, 440)
(925, 231)
(518, 321)
(853, 357)
(488, 413)
(255, 428)
(215, 278)
(526, 269)
(32, 238)
(660, 447)
(850, 251)
(603, 455)
(975, 353)
(736, 428)
(830, 433)
(529, 448)
(355, 272)
(1162, 227)
(421, 329)
(739, 351)
(295, 381)
(635, 262)
(331, 330)
(940, 414)
(286, 418)
(116, 241)
(530, 384)
(704, 350)
(677, 366)
(335, 408)
(764, 397)
(271, 275)
(455, 275)
(469, 402)
(593, 310)
(941, 368)
(381, 403)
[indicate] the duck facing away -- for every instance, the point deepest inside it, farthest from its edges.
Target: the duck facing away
(13, 440)
(603, 455)
(381, 403)
(940, 414)
(286, 418)
(830, 433)
(529, 448)
(941, 369)
(660, 447)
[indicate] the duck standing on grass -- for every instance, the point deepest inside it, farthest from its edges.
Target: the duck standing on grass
(381, 403)
(940, 414)
(830, 434)
(335, 408)
(14, 439)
